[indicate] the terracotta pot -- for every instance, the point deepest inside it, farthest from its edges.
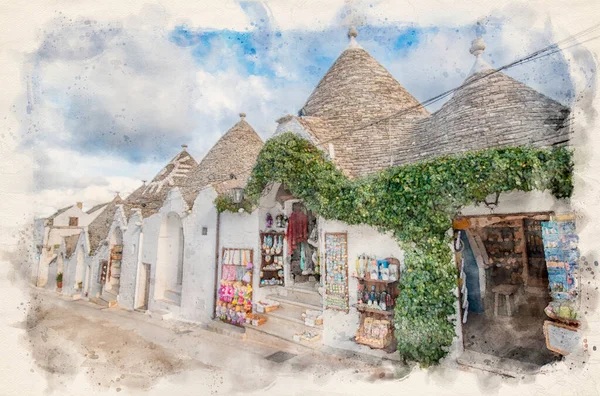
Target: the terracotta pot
(59, 284)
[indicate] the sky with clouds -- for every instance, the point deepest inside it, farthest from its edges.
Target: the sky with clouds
(109, 102)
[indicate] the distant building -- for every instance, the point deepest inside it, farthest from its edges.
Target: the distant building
(66, 222)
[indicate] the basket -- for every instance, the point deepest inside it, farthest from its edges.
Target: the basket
(258, 320)
(266, 306)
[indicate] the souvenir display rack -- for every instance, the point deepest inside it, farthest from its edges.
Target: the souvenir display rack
(272, 259)
(376, 298)
(562, 261)
(562, 255)
(336, 272)
(503, 244)
(235, 291)
(114, 269)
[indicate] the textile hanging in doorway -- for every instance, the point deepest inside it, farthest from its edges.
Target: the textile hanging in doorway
(302, 258)
(297, 230)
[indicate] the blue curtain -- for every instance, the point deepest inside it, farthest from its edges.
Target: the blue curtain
(472, 276)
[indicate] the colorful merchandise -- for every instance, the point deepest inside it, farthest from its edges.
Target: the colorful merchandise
(297, 229)
(336, 270)
(235, 290)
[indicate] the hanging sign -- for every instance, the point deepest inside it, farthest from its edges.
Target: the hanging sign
(561, 338)
(561, 253)
(336, 267)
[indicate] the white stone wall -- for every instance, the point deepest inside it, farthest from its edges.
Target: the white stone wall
(197, 296)
(521, 202)
(340, 327)
(151, 229)
(62, 220)
(241, 230)
(130, 263)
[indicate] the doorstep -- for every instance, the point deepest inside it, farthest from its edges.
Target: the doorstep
(216, 326)
(497, 365)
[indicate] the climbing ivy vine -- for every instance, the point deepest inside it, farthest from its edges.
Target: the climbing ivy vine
(224, 202)
(416, 203)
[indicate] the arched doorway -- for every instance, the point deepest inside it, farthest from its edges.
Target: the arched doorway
(79, 271)
(169, 263)
(113, 278)
(88, 280)
(52, 272)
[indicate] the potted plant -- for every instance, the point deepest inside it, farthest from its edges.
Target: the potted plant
(59, 280)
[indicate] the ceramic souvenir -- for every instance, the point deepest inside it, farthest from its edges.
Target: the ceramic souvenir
(382, 301)
(269, 220)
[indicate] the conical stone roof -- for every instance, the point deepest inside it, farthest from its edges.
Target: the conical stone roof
(150, 197)
(98, 229)
(235, 153)
(356, 90)
(493, 110)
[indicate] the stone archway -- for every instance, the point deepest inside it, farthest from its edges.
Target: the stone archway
(79, 271)
(52, 271)
(169, 263)
(113, 278)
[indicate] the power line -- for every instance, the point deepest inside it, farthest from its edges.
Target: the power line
(533, 56)
(541, 53)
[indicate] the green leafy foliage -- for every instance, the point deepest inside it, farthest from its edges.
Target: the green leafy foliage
(417, 203)
(224, 202)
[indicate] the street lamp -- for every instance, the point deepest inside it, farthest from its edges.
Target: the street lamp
(238, 195)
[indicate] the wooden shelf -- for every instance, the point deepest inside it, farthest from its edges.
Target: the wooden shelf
(264, 263)
(375, 280)
(365, 309)
(389, 348)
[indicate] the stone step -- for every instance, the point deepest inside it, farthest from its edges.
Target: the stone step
(504, 366)
(167, 305)
(173, 296)
(109, 298)
(283, 322)
(289, 312)
(99, 301)
(160, 314)
(291, 300)
(226, 329)
(301, 295)
(283, 330)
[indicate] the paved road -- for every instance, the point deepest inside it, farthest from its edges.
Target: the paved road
(122, 350)
(75, 348)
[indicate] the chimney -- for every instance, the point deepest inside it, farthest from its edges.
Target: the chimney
(80, 205)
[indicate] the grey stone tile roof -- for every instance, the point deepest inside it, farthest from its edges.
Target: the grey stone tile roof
(99, 228)
(356, 90)
(150, 197)
(97, 207)
(494, 110)
(491, 110)
(70, 244)
(234, 153)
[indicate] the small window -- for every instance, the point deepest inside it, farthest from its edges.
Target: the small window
(73, 221)
(204, 231)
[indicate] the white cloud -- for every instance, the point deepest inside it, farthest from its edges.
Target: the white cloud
(169, 100)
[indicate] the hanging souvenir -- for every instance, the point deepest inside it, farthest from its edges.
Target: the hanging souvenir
(279, 221)
(269, 220)
(313, 239)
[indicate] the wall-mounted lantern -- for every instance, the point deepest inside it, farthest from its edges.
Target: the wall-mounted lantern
(238, 195)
